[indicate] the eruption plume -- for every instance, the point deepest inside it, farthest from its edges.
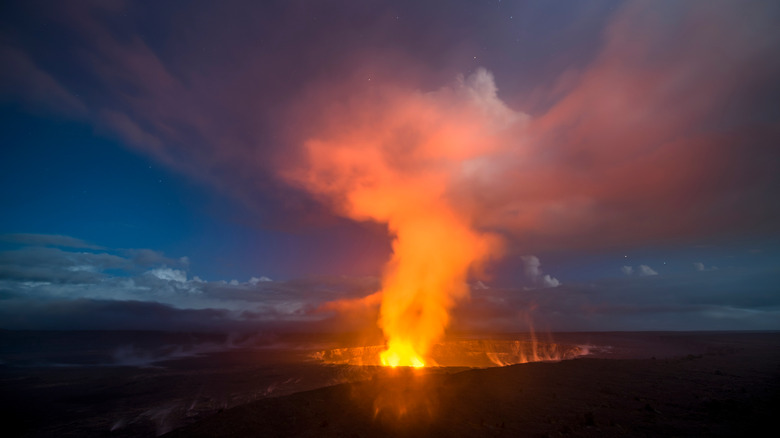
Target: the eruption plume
(396, 157)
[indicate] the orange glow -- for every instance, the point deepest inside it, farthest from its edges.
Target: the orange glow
(477, 353)
(398, 354)
(396, 158)
(424, 279)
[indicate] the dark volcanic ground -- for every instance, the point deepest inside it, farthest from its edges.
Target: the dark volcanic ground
(646, 384)
(142, 384)
(730, 388)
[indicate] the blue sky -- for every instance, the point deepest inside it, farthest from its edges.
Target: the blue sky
(145, 155)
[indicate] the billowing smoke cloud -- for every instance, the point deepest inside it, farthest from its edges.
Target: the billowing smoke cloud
(663, 130)
(396, 157)
(628, 151)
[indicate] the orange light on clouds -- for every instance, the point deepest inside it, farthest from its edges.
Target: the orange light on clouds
(395, 158)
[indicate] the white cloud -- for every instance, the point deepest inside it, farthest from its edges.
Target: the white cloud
(82, 268)
(548, 281)
(700, 267)
(534, 272)
(169, 274)
(645, 270)
(628, 270)
(532, 264)
(254, 280)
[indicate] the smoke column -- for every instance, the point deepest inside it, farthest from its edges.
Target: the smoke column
(396, 157)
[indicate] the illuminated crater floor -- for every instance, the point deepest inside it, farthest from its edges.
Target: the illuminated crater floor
(480, 353)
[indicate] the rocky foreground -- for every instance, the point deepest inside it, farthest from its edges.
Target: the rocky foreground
(728, 384)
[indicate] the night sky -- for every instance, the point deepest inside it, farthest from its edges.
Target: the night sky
(150, 158)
